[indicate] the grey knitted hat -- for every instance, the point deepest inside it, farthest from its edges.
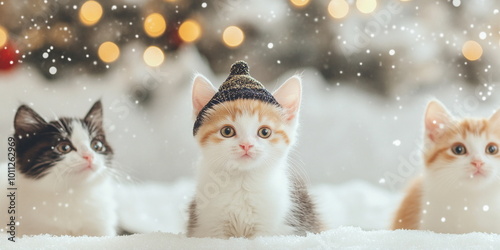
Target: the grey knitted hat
(238, 85)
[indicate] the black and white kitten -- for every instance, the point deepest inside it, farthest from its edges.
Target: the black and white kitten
(64, 186)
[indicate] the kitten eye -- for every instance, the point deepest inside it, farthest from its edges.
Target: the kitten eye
(458, 149)
(64, 147)
(227, 131)
(264, 132)
(97, 146)
(492, 149)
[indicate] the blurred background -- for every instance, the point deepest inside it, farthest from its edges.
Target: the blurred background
(369, 67)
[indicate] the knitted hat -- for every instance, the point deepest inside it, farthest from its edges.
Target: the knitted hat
(238, 85)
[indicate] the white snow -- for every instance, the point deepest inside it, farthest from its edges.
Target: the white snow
(356, 211)
(341, 238)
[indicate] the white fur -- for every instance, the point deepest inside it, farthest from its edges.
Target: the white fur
(241, 197)
(454, 199)
(70, 199)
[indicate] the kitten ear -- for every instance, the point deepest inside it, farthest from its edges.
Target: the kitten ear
(436, 117)
(203, 91)
(27, 121)
(289, 95)
(495, 118)
(94, 116)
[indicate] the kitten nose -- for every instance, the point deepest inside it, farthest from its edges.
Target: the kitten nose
(88, 157)
(477, 163)
(246, 146)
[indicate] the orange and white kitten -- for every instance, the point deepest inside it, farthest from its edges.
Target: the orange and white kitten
(245, 186)
(459, 191)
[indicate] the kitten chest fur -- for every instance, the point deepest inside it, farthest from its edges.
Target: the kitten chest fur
(459, 210)
(81, 210)
(243, 204)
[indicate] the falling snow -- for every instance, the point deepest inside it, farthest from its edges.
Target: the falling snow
(413, 55)
(52, 70)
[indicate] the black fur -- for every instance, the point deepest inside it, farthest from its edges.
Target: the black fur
(303, 216)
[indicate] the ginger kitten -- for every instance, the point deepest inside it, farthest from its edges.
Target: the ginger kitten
(245, 187)
(459, 191)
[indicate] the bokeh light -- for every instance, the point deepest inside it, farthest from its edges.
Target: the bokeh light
(60, 35)
(366, 6)
(153, 56)
(233, 36)
(33, 39)
(155, 25)
(299, 3)
(472, 50)
(90, 13)
(108, 52)
(338, 8)
(3, 36)
(190, 31)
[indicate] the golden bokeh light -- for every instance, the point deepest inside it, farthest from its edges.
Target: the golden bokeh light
(338, 8)
(299, 3)
(233, 36)
(190, 31)
(153, 56)
(472, 50)
(108, 52)
(366, 6)
(90, 13)
(155, 25)
(3, 36)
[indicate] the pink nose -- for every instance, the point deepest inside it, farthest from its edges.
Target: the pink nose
(246, 147)
(88, 157)
(477, 163)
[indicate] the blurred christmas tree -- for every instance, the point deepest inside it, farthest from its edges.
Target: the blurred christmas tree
(382, 45)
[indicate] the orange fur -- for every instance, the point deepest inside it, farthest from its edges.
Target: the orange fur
(449, 135)
(204, 138)
(283, 134)
(435, 154)
(408, 214)
(230, 110)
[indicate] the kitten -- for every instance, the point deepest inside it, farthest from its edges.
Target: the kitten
(459, 191)
(245, 185)
(62, 176)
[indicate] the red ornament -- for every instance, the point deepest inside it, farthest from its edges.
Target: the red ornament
(174, 41)
(8, 57)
